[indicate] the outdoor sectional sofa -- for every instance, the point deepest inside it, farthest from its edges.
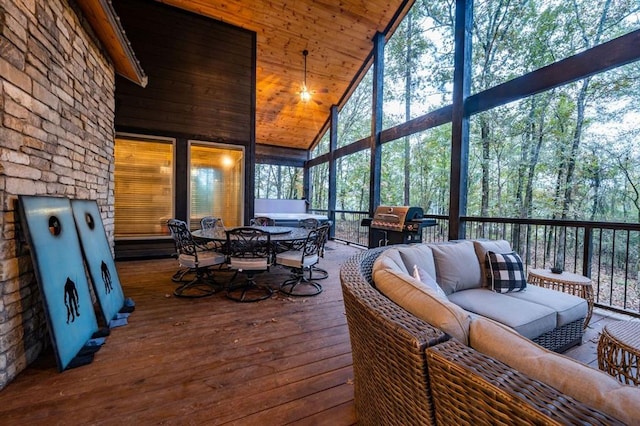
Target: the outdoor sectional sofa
(466, 369)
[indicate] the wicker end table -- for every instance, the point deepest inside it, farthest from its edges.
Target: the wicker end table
(566, 282)
(619, 351)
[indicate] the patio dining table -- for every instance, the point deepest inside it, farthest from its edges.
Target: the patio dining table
(278, 234)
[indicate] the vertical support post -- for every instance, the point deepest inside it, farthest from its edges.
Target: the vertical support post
(459, 119)
(181, 179)
(376, 122)
(306, 182)
(250, 152)
(333, 145)
(587, 251)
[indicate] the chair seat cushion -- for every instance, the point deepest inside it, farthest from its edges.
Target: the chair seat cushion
(205, 258)
(293, 259)
(249, 264)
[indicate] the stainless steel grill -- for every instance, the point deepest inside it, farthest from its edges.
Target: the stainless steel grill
(396, 225)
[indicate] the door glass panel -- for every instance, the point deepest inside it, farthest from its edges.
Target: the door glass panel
(216, 183)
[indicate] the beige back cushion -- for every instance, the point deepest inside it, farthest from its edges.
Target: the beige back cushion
(422, 301)
(418, 254)
(457, 266)
(390, 259)
(482, 247)
(588, 385)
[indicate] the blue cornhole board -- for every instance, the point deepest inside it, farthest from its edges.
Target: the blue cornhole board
(97, 255)
(57, 259)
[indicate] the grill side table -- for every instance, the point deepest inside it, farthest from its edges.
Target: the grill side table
(619, 351)
(567, 282)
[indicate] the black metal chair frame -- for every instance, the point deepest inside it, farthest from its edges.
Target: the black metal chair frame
(312, 223)
(194, 258)
(299, 284)
(209, 222)
(246, 245)
(262, 221)
(309, 223)
(179, 276)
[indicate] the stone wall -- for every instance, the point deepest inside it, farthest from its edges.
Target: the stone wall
(56, 138)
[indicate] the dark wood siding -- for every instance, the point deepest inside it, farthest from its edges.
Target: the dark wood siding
(202, 86)
(200, 74)
(270, 154)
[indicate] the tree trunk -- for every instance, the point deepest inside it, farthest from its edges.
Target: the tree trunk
(484, 136)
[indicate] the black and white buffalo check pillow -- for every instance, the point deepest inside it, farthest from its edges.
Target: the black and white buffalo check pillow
(506, 272)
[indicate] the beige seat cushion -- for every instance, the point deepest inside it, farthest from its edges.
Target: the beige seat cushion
(205, 258)
(568, 308)
(457, 266)
(423, 302)
(588, 385)
(527, 318)
(481, 248)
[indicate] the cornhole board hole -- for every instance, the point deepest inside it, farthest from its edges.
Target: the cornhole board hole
(99, 260)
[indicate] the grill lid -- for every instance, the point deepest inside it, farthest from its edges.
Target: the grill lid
(397, 218)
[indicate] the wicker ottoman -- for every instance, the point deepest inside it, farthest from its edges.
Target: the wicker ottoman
(619, 351)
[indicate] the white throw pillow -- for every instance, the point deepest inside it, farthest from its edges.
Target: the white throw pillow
(421, 275)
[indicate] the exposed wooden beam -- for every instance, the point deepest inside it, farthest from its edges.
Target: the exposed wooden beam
(617, 52)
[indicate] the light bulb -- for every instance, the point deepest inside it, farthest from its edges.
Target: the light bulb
(305, 96)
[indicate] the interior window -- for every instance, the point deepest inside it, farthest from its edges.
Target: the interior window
(143, 186)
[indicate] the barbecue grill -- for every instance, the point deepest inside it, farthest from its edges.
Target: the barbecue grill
(396, 225)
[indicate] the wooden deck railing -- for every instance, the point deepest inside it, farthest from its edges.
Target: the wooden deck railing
(608, 253)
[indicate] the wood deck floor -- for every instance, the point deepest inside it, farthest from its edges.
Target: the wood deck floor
(210, 361)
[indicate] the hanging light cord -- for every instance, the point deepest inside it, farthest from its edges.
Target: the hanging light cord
(304, 93)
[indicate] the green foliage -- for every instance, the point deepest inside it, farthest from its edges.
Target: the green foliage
(549, 156)
(278, 182)
(569, 153)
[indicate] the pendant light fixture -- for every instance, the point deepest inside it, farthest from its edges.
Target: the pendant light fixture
(305, 95)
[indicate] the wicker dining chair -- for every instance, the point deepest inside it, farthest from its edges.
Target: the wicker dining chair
(249, 251)
(301, 261)
(194, 258)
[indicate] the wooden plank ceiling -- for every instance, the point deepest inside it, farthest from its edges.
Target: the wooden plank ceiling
(338, 35)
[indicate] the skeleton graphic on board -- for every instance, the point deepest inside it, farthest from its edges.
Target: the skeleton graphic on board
(71, 300)
(106, 278)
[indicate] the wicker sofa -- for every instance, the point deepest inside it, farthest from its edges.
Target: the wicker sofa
(407, 371)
